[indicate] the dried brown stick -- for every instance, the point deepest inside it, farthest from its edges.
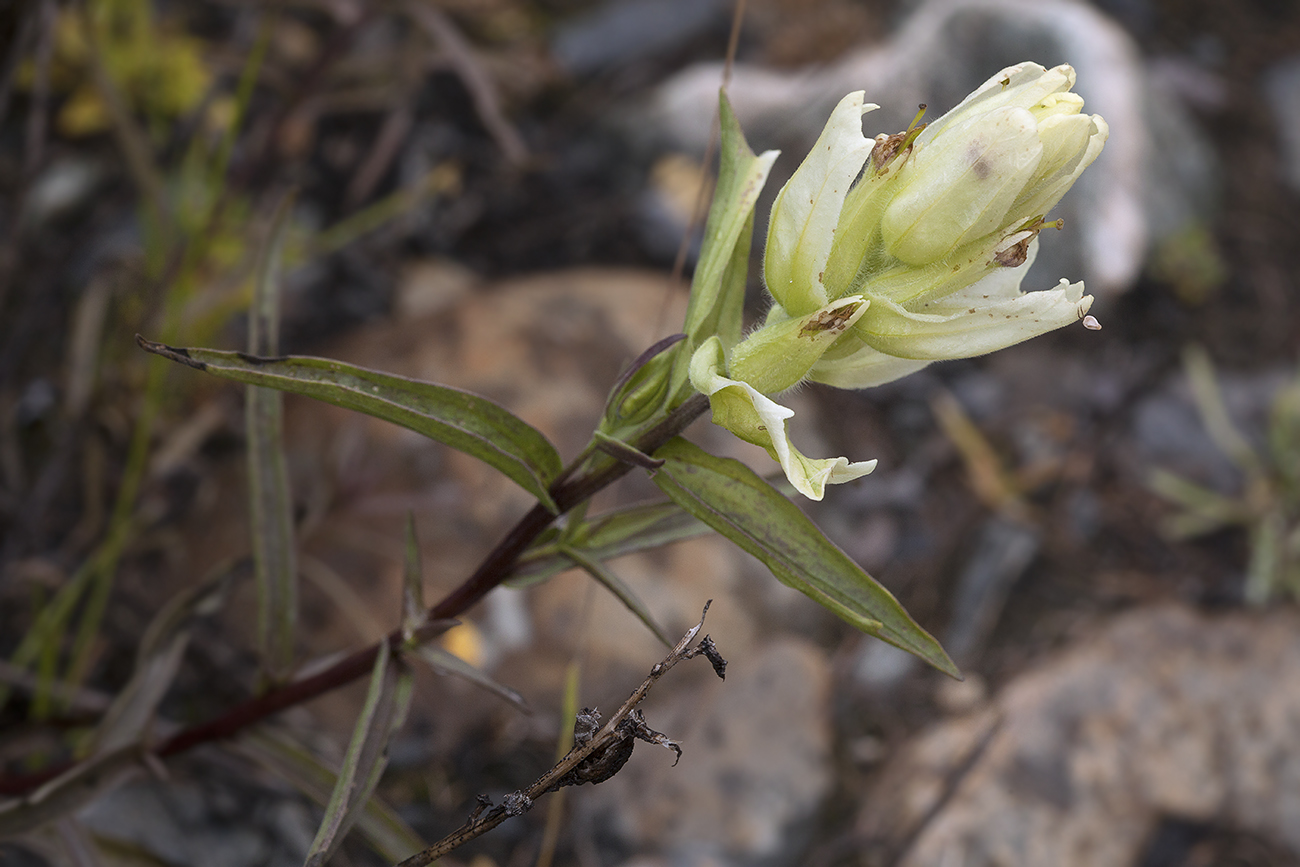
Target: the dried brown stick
(613, 731)
(479, 84)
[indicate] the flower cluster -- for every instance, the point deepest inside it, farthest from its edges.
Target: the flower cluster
(886, 254)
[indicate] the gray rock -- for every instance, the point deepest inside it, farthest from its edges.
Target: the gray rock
(140, 813)
(630, 31)
(1170, 434)
(879, 667)
(1165, 713)
(205, 822)
(755, 769)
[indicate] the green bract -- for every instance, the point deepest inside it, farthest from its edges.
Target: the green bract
(928, 232)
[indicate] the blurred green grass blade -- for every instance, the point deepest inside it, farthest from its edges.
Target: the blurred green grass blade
(1284, 437)
(384, 711)
(42, 641)
(413, 608)
(248, 76)
(158, 659)
(1267, 565)
(464, 421)
(555, 804)
(270, 500)
(1208, 395)
(615, 585)
(1203, 510)
(445, 662)
(379, 823)
(624, 531)
(731, 498)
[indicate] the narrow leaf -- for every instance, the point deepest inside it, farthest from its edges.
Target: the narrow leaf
(464, 421)
(628, 454)
(445, 662)
(380, 824)
(270, 500)
(384, 711)
(624, 531)
(732, 499)
(1208, 395)
(615, 585)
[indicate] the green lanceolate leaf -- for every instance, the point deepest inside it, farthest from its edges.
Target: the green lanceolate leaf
(732, 499)
(445, 662)
(270, 500)
(379, 823)
(624, 531)
(384, 712)
(464, 421)
(718, 287)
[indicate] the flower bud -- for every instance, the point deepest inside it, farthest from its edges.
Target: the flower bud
(1005, 155)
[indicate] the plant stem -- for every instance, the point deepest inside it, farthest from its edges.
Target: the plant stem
(494, 569)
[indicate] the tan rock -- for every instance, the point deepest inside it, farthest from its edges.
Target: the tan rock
(1165, 713)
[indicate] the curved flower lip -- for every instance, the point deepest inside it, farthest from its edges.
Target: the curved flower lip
(807, 210)
(758, 419)
(1090, 133)
(988, 315)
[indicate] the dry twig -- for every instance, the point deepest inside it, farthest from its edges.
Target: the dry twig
(598, 751)
(481, 88)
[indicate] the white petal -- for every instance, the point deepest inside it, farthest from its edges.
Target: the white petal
(974, 330)
(865, 368)
(807, 210)
(1042, 196)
